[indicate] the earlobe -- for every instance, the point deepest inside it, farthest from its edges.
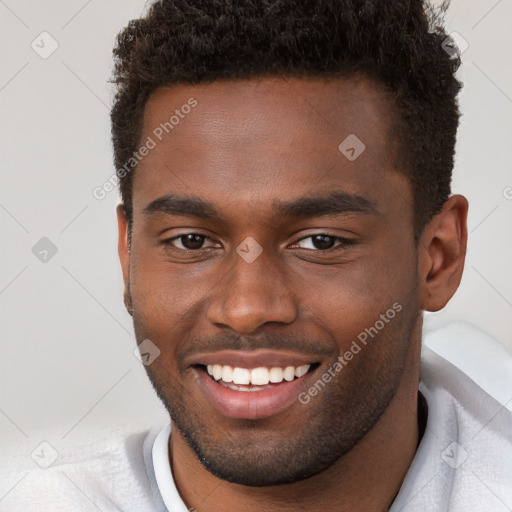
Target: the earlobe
(124, 254)
(442, 252)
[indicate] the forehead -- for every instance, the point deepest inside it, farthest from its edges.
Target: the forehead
(265, 138)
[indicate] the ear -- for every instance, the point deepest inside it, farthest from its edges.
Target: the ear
(123, 249)
(442, 252)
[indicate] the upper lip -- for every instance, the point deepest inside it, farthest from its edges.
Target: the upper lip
(253, 359)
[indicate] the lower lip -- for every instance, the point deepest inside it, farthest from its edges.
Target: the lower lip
(251, 404)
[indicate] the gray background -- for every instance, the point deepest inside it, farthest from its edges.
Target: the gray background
(67, 364)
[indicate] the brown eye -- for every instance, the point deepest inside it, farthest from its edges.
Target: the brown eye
(324, 242)
(192, 241)
(187, 242)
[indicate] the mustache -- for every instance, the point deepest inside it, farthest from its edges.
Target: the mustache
(267, 341)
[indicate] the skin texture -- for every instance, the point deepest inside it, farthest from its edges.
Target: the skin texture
(245, 146)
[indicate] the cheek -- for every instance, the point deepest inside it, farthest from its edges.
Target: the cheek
(158, 289)
(168, 305)
(350, 299)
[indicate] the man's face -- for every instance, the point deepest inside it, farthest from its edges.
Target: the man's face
(249, 152)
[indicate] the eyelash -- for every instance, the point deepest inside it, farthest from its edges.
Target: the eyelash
(344, 242)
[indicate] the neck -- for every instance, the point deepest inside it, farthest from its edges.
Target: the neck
(365, 479)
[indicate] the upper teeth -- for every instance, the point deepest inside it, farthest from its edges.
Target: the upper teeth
(257, 376)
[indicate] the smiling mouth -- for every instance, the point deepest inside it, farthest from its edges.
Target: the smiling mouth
(255, 391)
(255, 379)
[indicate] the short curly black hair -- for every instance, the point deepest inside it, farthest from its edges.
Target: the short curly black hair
(399, 43)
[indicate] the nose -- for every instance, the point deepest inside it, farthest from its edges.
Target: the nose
(251, 295)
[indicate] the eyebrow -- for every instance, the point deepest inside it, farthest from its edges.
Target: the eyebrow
(174, 204)
(334, 203)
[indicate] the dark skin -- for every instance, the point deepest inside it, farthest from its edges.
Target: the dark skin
(245, 147)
